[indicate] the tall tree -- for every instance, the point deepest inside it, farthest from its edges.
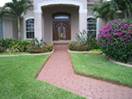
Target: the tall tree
(125, 6)
(104, 10)
(16, 8)
(111, 9)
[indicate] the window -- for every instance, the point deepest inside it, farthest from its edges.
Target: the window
(61, 16)
(91, 26)
(30, 28)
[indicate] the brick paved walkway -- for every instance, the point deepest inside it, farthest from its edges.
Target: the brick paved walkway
(58, 71)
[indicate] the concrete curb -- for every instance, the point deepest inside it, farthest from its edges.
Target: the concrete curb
(48, 53)
(83, 52)
(120, 63)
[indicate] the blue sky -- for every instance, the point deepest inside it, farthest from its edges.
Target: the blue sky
(2, 2)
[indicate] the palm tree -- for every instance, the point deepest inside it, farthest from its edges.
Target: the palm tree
(109, 9)
(104, 11)
(125, 6)
(16, 8)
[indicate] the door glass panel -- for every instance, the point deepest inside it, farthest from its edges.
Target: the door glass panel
(61, 26)
(61, 29)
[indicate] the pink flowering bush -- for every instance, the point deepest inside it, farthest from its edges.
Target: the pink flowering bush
(115, 40)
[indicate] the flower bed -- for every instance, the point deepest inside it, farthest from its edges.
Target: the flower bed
(15, 46)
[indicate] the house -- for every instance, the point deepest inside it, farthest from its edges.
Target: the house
(52, 20)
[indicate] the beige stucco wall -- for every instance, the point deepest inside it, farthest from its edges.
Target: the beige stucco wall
(9, 27)
(48, 20)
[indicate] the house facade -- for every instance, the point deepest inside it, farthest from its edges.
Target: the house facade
(53, 20)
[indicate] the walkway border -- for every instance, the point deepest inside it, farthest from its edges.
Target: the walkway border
(83, 52)
(120, 63)
(48, 53)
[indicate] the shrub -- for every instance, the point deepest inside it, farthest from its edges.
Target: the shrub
(2, 49)
(39, 47)
(77, 46)
(82, 37)
(47, 47)
(85, 41)
(7, 43)
(115, 40)
(128, 21)
(14, 45)
(33, 46)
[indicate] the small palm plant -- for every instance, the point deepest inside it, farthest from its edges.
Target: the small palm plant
(16, 8)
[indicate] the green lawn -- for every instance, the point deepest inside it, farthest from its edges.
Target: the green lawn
(15, 53)
(96, 65)
(17, 80)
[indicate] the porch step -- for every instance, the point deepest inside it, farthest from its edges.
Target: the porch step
(62, 42)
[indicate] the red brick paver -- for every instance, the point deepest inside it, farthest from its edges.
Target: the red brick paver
(58, 71)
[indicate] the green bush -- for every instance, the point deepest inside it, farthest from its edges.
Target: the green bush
(115, 40)
(85, 42)
(128, 21)
(14, 45)
(2, 49)
(47, 47)
(19, 46)
(77, 46)
(34, 46)
(92, 44)
(7, 43)
(39, 47)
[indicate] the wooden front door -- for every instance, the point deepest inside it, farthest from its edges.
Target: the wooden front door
(61, 30)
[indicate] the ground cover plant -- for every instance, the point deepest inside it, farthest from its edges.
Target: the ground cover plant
(98, 66)
(18, 80)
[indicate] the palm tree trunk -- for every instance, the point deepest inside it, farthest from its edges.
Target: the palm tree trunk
(18, 27)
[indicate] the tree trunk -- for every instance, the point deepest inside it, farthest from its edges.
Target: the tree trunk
(18, 27)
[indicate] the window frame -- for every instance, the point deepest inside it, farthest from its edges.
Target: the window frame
(93, 23)
(31, 28)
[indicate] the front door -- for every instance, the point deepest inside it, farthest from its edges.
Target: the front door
(61, 28)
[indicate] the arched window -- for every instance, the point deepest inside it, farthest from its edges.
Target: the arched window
(91, 26)
(30, 28)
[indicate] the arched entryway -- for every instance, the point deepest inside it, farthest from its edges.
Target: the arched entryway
(60, 23)
(61, 26)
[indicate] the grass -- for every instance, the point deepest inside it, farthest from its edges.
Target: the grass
(17, 80)
(11, 53)
(97, 66)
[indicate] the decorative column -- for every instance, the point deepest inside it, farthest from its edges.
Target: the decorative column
(100, 23)
(82, 19)
(38, 25)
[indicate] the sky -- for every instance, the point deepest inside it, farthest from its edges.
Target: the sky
(2, 2)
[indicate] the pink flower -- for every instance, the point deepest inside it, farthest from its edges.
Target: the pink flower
(107, 35)
(119, 34)
(106, 28)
